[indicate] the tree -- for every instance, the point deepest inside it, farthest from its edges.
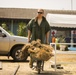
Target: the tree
(22, 30)
(4, 26)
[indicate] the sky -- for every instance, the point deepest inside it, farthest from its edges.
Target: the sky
(44, 4)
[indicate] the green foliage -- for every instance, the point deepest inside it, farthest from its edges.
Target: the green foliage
(57, 46)
(66, 48)
(22, 29)
(4, 26)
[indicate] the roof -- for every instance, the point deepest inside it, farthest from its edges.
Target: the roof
(16, 13)
(61, 20)
(24, 13)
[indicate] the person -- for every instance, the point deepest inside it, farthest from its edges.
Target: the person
(53, 39)
(38, 28)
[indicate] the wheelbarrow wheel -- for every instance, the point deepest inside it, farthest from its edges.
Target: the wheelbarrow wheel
(39, 66)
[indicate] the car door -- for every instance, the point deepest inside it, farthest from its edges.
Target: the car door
(4, 44)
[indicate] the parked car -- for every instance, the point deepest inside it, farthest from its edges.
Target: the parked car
(10, 45)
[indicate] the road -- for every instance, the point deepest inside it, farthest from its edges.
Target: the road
(9, 67)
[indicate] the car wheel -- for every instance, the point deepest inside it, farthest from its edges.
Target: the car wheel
(16, 52)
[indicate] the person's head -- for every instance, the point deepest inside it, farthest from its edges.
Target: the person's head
(40, 12)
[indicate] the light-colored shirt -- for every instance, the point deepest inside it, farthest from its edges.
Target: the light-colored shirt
(39, 21)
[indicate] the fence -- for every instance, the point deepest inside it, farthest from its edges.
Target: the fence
(63, 52)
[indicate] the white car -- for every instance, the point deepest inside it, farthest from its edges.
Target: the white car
(11, 45)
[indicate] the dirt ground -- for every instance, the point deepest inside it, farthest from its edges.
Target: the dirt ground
(67, 61)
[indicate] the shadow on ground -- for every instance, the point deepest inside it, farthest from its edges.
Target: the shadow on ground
(8, 60)
(53, 73)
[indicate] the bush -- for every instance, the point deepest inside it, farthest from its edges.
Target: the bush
(57, 46)
(22, 31)
(4, 26)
